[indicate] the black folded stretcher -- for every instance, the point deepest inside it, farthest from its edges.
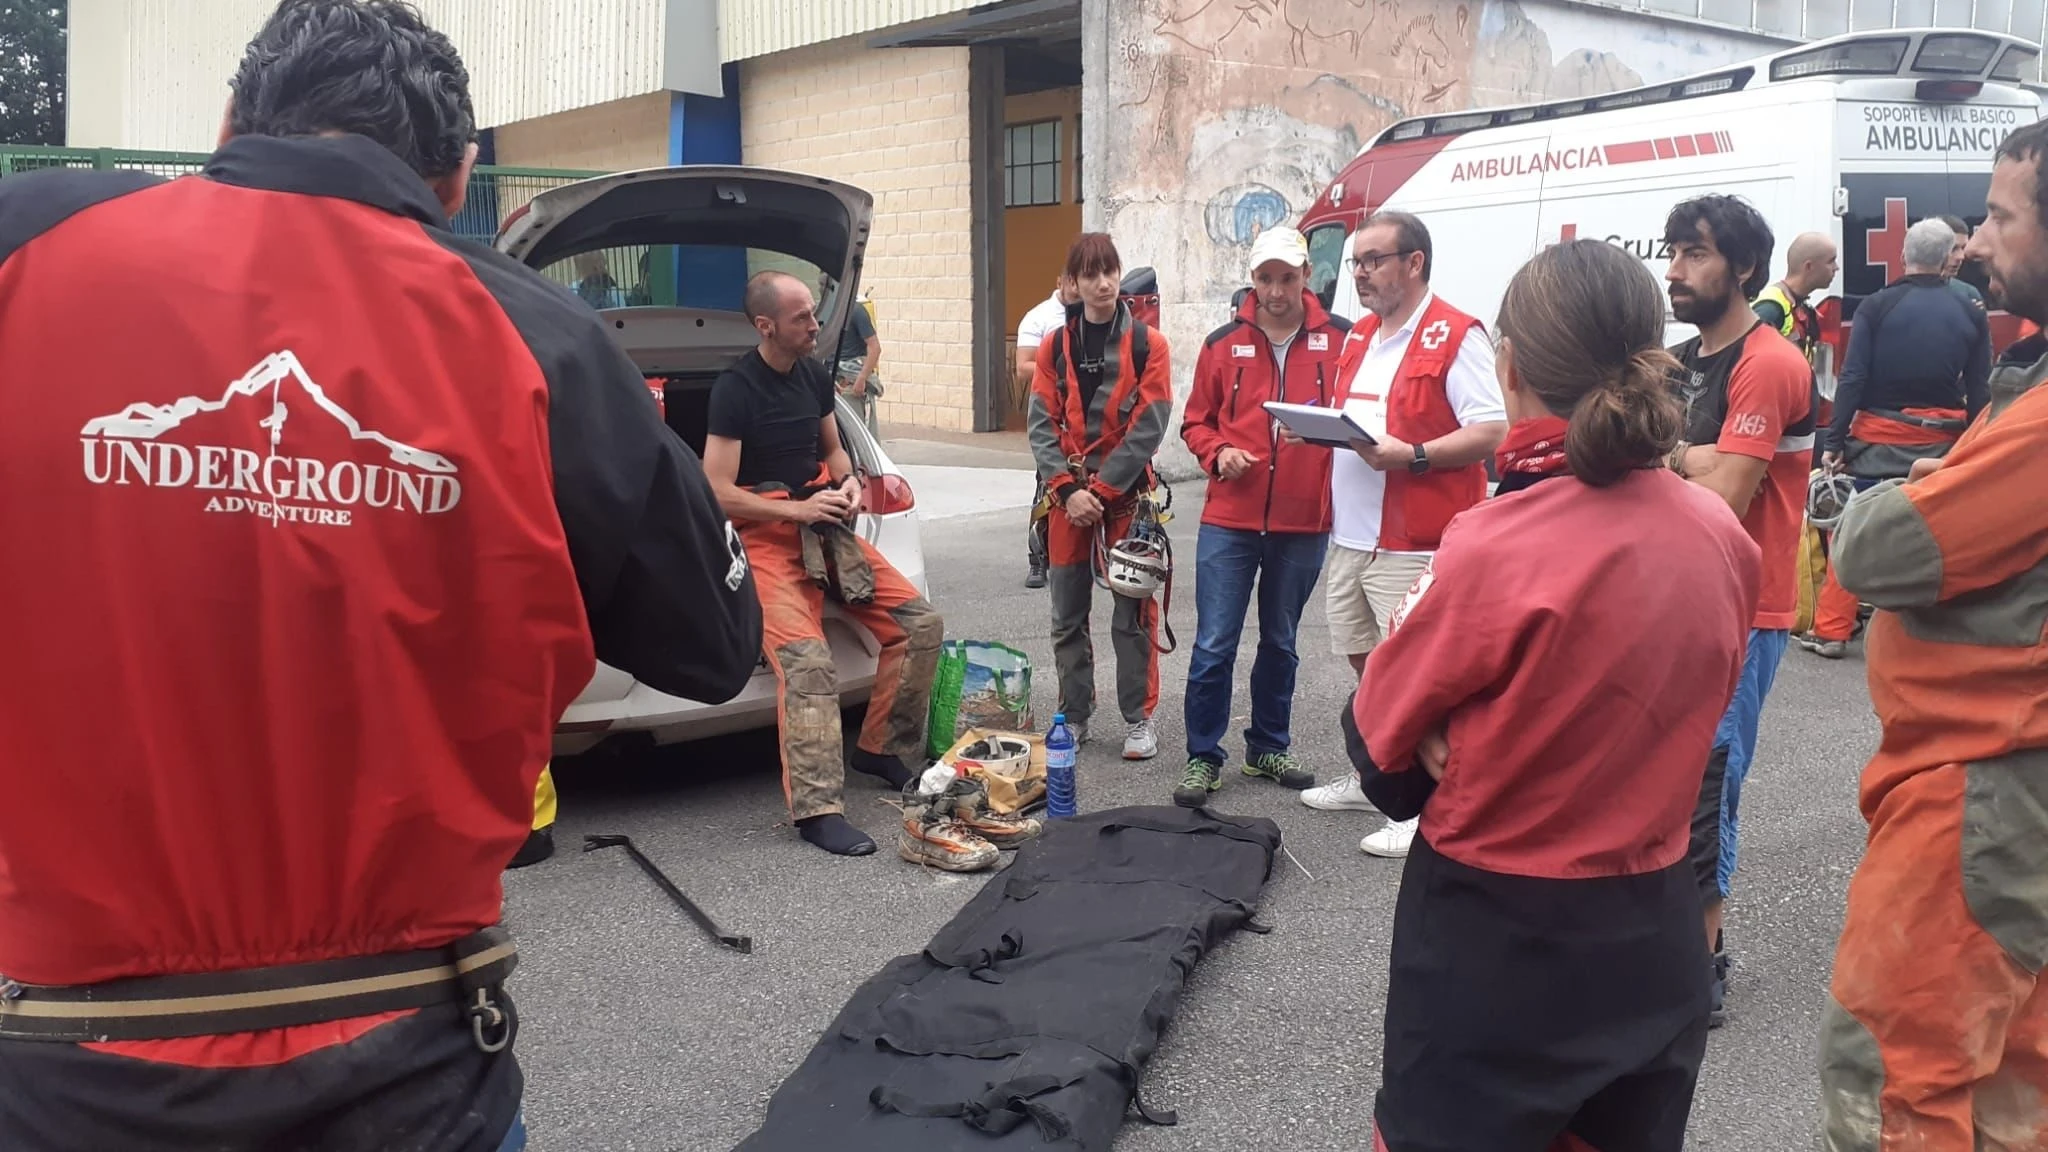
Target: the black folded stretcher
(1028, 1021)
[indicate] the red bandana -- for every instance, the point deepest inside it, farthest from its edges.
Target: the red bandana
(1533, 446)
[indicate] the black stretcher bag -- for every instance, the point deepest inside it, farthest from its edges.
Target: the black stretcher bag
(1029, 1020)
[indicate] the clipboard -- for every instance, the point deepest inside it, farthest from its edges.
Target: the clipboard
(1326, 427)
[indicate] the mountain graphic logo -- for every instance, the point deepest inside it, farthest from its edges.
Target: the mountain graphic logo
(126, 449)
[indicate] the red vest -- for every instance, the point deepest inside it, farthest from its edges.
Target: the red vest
(1418, 508)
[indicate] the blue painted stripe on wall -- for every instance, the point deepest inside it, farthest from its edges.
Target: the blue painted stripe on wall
(706, 130)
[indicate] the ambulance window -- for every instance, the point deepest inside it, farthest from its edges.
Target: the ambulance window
(1325, 259)
(2017, 64)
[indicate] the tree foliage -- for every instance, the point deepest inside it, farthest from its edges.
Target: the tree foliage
(31, 71)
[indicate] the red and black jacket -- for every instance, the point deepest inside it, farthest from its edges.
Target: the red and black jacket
(1288, 490)
(330, 512)
(1108, 441)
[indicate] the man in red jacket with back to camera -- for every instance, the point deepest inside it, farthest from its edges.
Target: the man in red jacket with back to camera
(1267, 518)
(327, 512)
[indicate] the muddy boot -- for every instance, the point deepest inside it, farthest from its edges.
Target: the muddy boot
(934, 835)
(970, 808)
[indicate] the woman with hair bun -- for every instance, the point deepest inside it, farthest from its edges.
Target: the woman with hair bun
(1545, 702)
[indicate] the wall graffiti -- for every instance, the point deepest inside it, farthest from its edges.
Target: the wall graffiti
(1239, 213)
(1237, 113)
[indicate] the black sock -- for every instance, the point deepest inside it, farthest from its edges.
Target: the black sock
(887, 767)
(832, 833)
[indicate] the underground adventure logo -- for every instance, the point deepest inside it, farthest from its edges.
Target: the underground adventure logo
(127, 449)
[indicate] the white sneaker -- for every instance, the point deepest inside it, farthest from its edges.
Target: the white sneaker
(1142, 743)
(1343, 795)
(1392, 841)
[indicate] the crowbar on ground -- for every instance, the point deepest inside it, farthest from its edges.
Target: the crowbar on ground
(741, 944)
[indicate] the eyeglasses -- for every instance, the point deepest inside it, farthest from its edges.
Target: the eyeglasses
(1371, 261)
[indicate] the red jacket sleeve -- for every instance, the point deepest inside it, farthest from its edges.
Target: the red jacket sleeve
(1200, 424)
(1453, 635)
(1042, 428)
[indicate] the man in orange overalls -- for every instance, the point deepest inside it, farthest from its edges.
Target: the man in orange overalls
(1100, 400)
(1936, 1036)
(774, 458)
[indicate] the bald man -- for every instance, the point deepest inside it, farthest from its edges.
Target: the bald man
(775, 461)
(1810, 266)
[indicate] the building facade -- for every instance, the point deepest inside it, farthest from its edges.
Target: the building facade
(989, 133)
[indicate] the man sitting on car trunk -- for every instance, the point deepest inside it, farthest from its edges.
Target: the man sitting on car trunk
(774, 457)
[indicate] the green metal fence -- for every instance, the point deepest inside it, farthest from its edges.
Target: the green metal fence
(494, 192)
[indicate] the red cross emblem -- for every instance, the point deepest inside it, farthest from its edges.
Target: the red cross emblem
(1434, 335)
(1886, 247)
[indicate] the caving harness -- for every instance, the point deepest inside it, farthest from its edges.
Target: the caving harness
(467, 973)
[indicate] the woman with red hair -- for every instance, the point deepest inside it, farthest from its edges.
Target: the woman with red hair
(1100, 401)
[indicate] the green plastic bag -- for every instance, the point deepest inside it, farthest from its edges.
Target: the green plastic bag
(981, 684)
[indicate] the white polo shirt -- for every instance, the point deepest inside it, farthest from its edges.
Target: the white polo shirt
(1358, 491)
(1044, 319)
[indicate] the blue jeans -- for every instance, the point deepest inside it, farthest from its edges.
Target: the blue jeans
(1285, 566)
(1737, 734)
(515, 1139)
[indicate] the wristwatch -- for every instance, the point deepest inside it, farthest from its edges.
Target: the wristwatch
(1420, 464)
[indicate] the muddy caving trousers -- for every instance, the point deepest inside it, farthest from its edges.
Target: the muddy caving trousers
(906, 626)
(1134, 623)
(1935, 1038)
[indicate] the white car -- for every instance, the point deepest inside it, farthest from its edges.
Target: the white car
(692, 235)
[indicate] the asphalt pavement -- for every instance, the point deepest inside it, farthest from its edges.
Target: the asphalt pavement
(639, 1034)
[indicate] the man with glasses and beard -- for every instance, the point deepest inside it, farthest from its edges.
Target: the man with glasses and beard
(1417, 375)
(1751, 410)
(1936, 1030)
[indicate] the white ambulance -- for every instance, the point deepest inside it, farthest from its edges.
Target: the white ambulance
(1855, 137)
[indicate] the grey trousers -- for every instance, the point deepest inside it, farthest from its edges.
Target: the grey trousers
(1133, 626)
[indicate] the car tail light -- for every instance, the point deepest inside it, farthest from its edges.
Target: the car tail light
(889, 494)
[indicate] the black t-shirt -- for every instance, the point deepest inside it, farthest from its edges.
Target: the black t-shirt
(1702, 386)
(774, 417)
(1088, 367)
(853, 339)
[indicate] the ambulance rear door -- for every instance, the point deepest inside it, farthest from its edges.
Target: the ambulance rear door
(1922, 144)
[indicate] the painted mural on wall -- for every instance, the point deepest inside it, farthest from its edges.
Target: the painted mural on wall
(1238, 112)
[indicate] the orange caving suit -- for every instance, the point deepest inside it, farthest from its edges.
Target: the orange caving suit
(1109, 439)
(1936, 1035)
(905, 625)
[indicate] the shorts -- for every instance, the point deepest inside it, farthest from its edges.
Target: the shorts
(1361, 591)
(1714, 818)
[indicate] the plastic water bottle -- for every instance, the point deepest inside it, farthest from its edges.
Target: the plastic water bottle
(1059, 770)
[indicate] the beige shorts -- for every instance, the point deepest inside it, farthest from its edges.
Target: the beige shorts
(1363, 589)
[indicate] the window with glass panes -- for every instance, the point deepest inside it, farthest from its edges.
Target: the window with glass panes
(1031, 164)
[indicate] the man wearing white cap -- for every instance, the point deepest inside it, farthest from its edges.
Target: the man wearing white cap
(1267, 518)
(1417, 375)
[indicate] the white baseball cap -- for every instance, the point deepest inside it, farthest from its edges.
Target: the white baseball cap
(1282, 244)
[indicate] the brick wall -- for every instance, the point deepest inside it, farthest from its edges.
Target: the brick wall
(893, 121)
(613, 137)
